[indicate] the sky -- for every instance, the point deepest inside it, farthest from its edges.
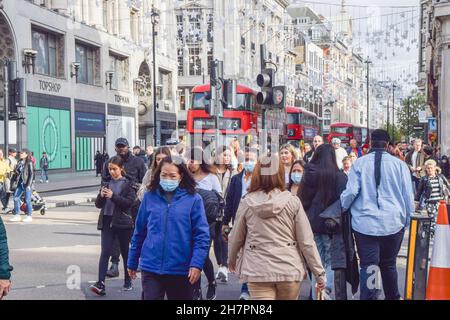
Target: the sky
(388, 35)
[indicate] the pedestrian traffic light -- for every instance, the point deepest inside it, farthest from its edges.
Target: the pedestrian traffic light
(279, 97)
(265, 80)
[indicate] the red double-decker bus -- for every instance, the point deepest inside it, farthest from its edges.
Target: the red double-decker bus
(302, 125)
(240, 120)
(346, 132)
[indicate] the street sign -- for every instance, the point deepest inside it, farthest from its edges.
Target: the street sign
(432, 125)
(418, 127)
(423, 117)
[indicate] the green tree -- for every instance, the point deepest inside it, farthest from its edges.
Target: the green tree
(408, 114)
(396, 136)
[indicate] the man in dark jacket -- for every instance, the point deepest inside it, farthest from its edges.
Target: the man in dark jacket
(5, 268)
(236, 191)
(135, 170)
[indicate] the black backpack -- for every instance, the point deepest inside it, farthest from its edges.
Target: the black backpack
(214, 204)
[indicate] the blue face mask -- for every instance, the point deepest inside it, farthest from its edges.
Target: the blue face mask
(249, 166)
(296, 177)
(169, 185)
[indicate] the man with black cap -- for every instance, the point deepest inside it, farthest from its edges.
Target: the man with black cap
(380, 197)
(135, 170)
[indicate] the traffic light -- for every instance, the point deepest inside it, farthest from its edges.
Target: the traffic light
(17, 96)
(265, 80)
(279, 97)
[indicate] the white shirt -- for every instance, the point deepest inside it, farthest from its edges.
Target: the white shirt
(210, 182)
(340, 155)
(414, 159)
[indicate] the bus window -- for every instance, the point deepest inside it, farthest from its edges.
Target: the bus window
(293, 118)
(199, 100)
(343, 130)
(243, 102)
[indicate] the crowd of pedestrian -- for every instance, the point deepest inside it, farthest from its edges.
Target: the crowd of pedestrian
(274, 219)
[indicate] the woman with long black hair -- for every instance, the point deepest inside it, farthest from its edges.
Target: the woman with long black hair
(322, 184)
(225, 172)
(157, 157)
(205, 175)
(115, 221)
(25, 173)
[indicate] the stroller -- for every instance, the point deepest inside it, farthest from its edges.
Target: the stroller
(37, 202)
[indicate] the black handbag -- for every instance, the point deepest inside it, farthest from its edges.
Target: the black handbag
(14, 182)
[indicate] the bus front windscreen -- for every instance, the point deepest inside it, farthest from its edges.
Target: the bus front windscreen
(341, 130)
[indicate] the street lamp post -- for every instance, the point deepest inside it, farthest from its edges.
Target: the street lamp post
(368, 62)
(155, 21)
(393, 109)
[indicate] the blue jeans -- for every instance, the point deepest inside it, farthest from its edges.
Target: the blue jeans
(44, 174)
(323, 243)
(18, 194)
(378, 255)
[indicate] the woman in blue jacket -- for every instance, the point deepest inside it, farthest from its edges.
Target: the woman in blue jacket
(171, 237)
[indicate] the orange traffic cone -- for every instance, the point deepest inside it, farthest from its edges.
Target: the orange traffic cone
(438, 287)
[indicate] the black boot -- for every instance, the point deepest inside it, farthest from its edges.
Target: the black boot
(113, 271)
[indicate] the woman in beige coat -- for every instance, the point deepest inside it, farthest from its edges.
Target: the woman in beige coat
(274, 234)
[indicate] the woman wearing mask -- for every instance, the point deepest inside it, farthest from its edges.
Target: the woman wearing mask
(287, 155)
(274, 233)
(25, 172)
(295, 176)
(171, 237)
(115, 221)
(321, 186)
(224, 172)
(157, 156)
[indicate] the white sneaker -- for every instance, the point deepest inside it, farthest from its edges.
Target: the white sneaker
(5, 210)
(244, 296)
(46, 181)
(222, 274)
(16, 218)
(41, 181)
(28, 219)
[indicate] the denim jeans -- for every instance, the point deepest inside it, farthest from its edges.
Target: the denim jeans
(323, 243)
(378, 255)
(17, 201)
(44, 174)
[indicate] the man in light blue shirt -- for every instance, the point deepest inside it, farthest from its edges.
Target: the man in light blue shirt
(379, 194)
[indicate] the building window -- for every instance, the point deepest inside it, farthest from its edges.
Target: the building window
(243, 42)
(253, 47)
(105, 12)
(361, 117)
(180, 27)
(165, 85)
(210, 28)
(50, 56)
(120, 67)
(89, 59)
(194, 26)
(195, 62)
(182, 99)
(327, 118)
(180, 62)
(209, 58)
(133, 26)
